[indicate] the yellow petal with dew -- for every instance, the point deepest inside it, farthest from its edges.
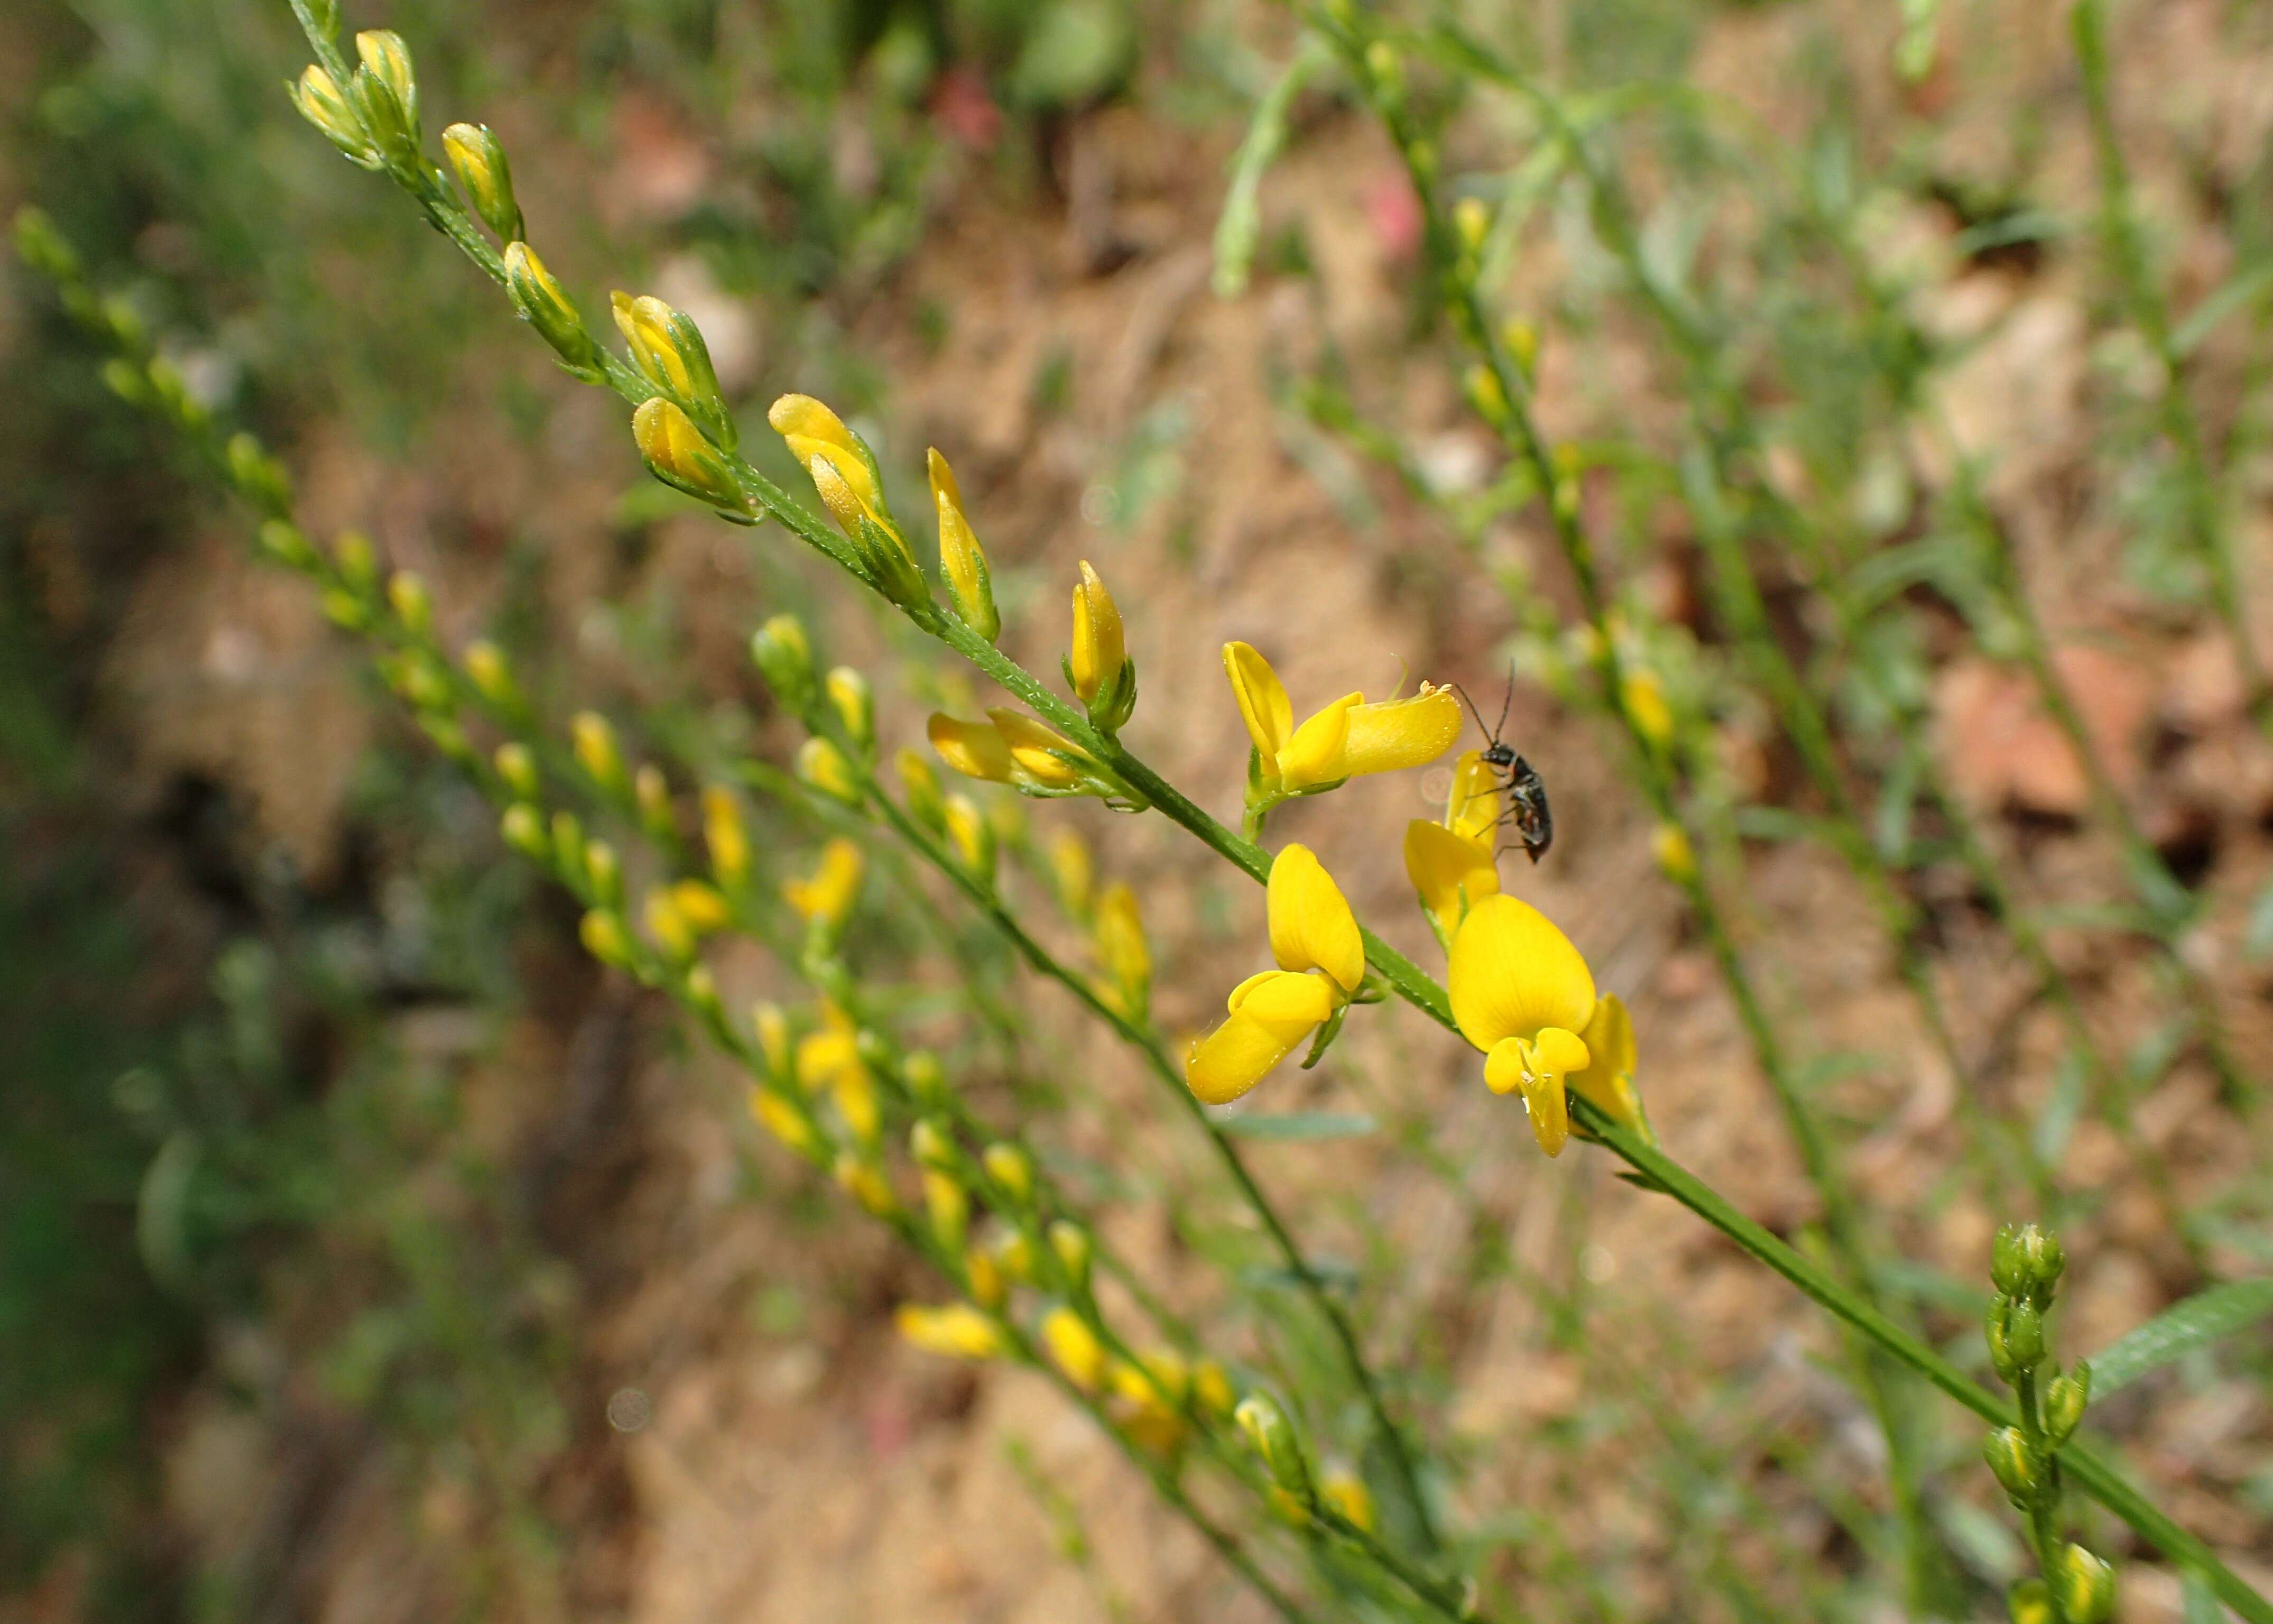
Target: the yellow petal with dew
(1041, 754)
(1512, 973)
(1263, 702)
(1269, 1014)
(1401, 732)
(1311, 925)
(1451, 872)
(1316, 753)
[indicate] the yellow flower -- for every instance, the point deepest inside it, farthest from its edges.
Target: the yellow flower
(1522, 993)
(1349, 738)
(956, 1330)
(772, 1027)
(1099, 649)
(680, 456)
(668, 926)
(1676, 859)
(828, 894)
(1121, 948)
(1074, 1348)
(864, 1182)
(1452, 872)
(1148, 1398)
(822, 765)
(593, 743)
(1314, 936)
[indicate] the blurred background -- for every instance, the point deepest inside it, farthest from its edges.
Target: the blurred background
(365, 1255)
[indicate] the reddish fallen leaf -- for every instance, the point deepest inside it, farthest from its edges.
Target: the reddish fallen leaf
(2004, 750)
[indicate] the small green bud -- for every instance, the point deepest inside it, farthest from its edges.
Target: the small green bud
(783, 657)
(927, 1079)
(1387, 70)
(2024, 1335)
(385, 94)
(285, 542)
(1008, 1166)
(516, 769)
(540, 302)
(1267, 1428)
(260, 478)
(447, 736)
(2010, 1461)
(478, 157)
(127, 382)
(855, 706)
(43, 247)
(523, 829)
(1994, 1329)
(949, 1204)
(2063, 1402)
(1074, 1253)
(2085, 1586)
(2029, 1602)
(702, 994)
(413, 604)
(568, 852)
(2025, 1262)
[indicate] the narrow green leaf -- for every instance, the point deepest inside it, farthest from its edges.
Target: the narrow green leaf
(2201, 1320)
(2238, 290)
(2201, 1602)
(1241, 224)
(1300, 1125)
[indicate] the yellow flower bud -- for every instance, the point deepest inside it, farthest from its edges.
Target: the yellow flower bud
(1211, 1388)
(921, 785)
(956, 1330)
(822, 765)
(1676, 859)
(704, 909)
(605, 937)
(723, 834)
(1074, 1348)
(864, 1182)
(1008, 1166)
(668, 348)
(971, 838)
(1472, 220)
(594, 744)
(983, 1278)
(783, 657)
(1346, 1493)
(540, 302)
(950, 1206)
(855, 706)
(678, 454)
(811, 430)
(1098, 651)
(1073, 871)
(1645, 707)
(479, 158)
(604, 873)
(669, 927)
(1122, 949)
(785, 1122)
(322, 104)
(491, 677)
(961, 558)
(651, 795)
(772, 1027)
(353, 557)
(1071, 1244)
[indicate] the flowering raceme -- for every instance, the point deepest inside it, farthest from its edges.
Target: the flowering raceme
(1321, 958)
(1347, 739)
